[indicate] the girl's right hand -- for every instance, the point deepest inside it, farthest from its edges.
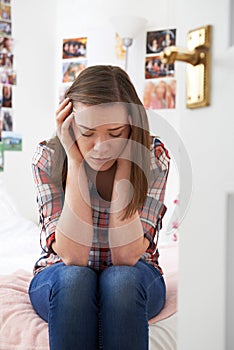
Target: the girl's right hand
(64, 118)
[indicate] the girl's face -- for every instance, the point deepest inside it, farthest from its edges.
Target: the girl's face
(101, 132)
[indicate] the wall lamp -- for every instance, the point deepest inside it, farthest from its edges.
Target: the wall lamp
(128, 27)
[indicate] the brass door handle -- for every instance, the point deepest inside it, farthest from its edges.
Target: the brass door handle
(197, 55)
(174, 53)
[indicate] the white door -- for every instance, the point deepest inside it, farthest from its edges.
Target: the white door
(208, 134)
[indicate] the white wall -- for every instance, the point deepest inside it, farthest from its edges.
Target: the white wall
(33, 31)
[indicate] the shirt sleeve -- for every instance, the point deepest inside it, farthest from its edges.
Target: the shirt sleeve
(154, 209)
(50, 196)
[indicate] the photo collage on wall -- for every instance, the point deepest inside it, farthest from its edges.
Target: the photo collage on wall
(160, 82)
(74, 60)
(9, 140)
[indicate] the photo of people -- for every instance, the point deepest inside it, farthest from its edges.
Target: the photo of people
(1, 156)
(5, 28)
(6, 44)
(3, 75)
(160, 94)
(156, 41)
(11, 77)
(71, 70)
(7, 96)
(5, 12)
(74, 47)
(6, 60)
(154, 68)
(7, 74)
(7, 119)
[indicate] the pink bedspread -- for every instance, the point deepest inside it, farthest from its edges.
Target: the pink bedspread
(22, 328)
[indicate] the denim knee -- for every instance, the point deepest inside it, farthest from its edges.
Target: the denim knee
(120, 287)
(67, 286)
(76, 284)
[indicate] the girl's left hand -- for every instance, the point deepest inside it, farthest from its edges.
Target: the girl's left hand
(122, 190)
(125, 158)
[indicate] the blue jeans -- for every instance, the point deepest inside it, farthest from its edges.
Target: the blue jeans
(89, 310)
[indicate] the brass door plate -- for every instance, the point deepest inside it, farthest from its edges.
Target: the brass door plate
(198, 76)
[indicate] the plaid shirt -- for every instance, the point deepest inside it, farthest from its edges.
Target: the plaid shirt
(50, 199)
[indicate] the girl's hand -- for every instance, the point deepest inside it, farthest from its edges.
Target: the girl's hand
(64, 118)
(124, 161)
(122, 188)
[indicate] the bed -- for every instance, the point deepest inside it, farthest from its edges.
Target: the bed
(20, 327)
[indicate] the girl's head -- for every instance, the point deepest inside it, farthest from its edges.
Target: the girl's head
(107, 112)
(101, 132)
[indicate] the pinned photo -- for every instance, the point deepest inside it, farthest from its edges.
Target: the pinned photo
(71, 70)
(6, 60)
(1, 157)
(5, 12)
(74, 47)
(154, 68)
(7, 96)
(11, 77)
(5, 28)
(160, 94)
(119, 48)
(156, 41)
(6, 44)
(11, 141)
(7, 119)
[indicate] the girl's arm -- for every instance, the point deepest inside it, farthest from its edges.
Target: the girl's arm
(74, 231)
(126, 237)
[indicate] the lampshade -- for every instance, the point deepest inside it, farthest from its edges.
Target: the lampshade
(128, 26)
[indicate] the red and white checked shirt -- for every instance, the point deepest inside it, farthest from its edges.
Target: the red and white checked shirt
(50, 198)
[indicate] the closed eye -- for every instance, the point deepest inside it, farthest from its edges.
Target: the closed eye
(87, 134)
(116, 135)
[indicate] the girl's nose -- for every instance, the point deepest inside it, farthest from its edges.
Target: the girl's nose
(101, 145)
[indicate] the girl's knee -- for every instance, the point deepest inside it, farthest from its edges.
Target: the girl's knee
(74, 290)
(75, 281)
(121, 285)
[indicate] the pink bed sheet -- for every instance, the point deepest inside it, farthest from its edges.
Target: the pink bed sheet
(22, 328)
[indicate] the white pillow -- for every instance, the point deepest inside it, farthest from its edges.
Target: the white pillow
(19, 237)
(6, 203)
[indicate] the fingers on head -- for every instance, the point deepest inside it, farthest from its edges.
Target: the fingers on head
(64, 107)
(63, 113)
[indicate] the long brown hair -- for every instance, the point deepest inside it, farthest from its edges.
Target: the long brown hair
(110, 84)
